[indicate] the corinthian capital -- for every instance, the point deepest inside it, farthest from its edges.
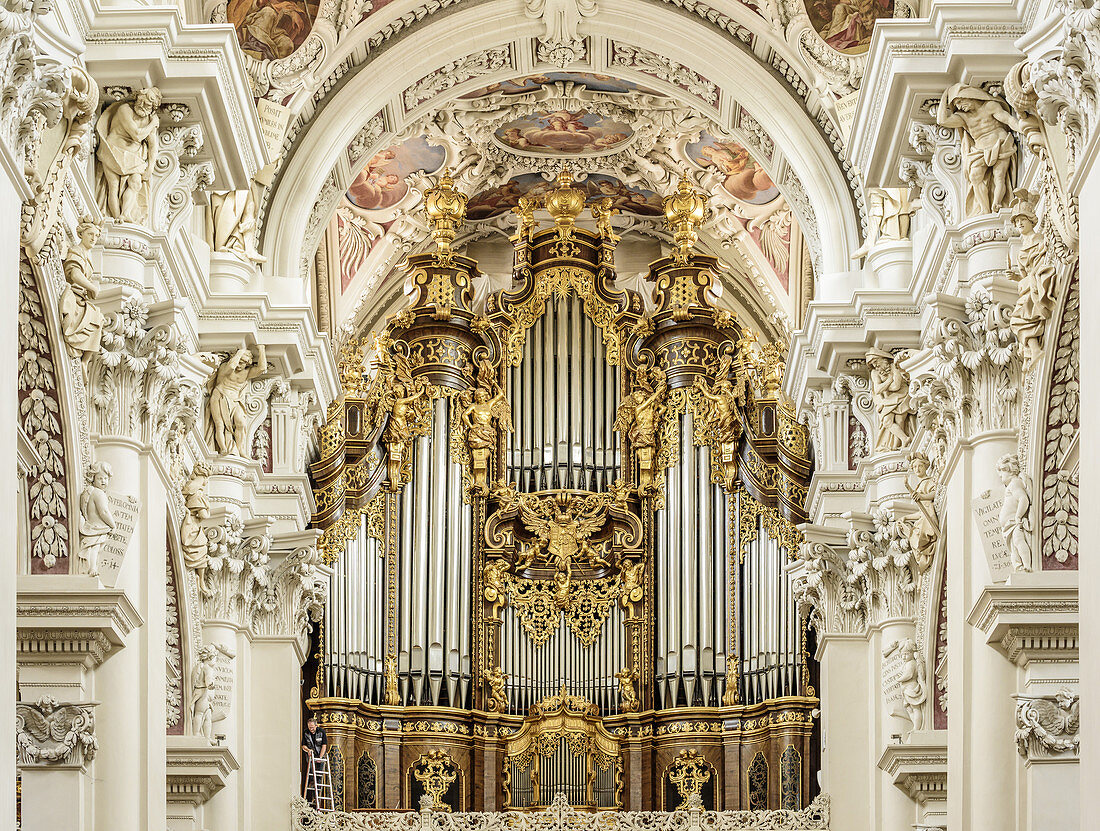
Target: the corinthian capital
(135, 385)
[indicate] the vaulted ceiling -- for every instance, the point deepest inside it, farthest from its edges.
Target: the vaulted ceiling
(747, 100)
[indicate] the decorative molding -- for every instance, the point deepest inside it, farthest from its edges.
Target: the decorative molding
(58, 620)
(195, 770)
(455, 73)
(49, 733)
(1047, 726)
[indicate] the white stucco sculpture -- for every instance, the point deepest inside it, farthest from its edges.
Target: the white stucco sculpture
(96, 521)
(226, 422)
(193, 539)
(1015, 515)
(913, 687)
(1036, 278)
(890, 390)
(232, 224)
(81, 319)
(128, 142)
(988, 145)
(923, 525)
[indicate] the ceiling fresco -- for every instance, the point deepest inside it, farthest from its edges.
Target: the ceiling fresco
(744, 178)
(271, 29)
(501, 199)
(846, 25)
(382, 181)
(564, 133)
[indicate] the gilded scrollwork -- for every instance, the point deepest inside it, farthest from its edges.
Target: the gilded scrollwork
(689, 772)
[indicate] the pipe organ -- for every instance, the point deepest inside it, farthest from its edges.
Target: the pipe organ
(558, 526)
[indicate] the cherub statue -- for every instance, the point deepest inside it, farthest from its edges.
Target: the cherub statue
(602, 211)
(924, 525)
(128, 144)
(627, 677)
(631, 590)
(494, 680)
(226, 421)
(193, 539)
(639, 416)
(890, 390)
(496, 589)
(81, 320)
(480, 410)
(96, 521)
(988, 146)
(914, 690)
(1015, 515)
(1036, 278)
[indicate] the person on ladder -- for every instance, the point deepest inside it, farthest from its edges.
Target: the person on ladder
(315, 745)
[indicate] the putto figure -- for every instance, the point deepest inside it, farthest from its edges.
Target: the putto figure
(988, 147)
(128, 144)
(225, 417)
(1015, 515)
(890, 390)
(96, 521)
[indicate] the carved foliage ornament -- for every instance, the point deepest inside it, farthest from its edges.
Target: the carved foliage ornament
(1048, 725)
(40, 419)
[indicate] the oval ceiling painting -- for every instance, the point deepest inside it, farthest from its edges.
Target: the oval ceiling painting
(564, 133)
(271, 29)
(846, 25)
(530, 83)
(503, 198)
(744, 178)
(381, 183)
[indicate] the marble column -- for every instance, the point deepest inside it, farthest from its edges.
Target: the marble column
(981, 711)
(847, 728)
(130, 768)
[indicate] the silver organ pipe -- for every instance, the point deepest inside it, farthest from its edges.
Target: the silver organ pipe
(564, 395)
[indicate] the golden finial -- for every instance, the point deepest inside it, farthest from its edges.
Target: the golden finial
(684, 212)
(446, 208)
(565, 202)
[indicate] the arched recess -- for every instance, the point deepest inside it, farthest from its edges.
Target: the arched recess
(317, 162)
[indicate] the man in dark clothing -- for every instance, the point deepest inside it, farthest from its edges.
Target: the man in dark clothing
(315, 744)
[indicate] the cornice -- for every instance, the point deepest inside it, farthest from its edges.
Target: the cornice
(60, 615)
(1029, 621)
(197, 65)
(918, 767)
(195, 770)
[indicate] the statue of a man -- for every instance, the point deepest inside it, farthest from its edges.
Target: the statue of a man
(202, 703)
(128, 144)
(1015, 515)
(988, 146)
(81, 320)
(890, 390)
(1036, 276)
(96, 521)
(232, 224)
(193, 539)
(924, 525)
(225, 416)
